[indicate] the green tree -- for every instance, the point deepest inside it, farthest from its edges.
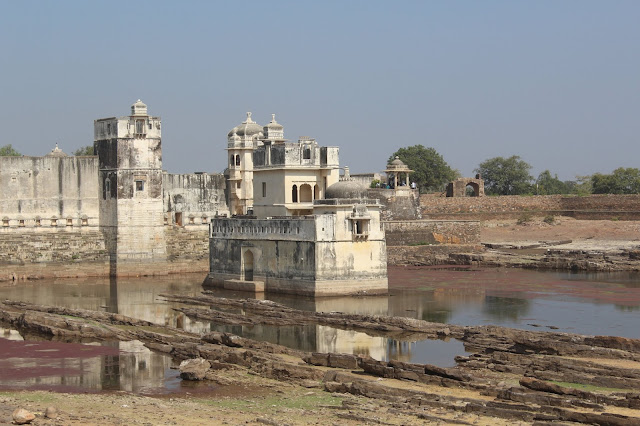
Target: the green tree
(8, 151)
(85, 150)
(582, 185)
(430, 171)
(621, 181)
(548, 185)
(506, 176)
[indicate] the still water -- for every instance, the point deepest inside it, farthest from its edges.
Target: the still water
(602, 303)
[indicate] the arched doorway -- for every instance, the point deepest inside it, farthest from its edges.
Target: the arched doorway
(306, 195)
(247, 265)
(294, 194)
(472, 189)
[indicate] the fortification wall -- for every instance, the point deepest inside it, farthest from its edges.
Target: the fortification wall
(426, 255)
(431, 232)
(624, 207)
(187, 249)
(48, 192)
(62, 254)
(402, 204)
(195, 197)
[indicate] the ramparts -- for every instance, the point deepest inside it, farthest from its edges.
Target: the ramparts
(623, 207)
(431, 232)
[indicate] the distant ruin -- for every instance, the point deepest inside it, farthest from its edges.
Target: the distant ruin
(458, 188)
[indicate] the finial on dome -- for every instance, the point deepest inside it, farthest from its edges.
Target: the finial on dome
(347, 176)
(273, 118)
(249, 120)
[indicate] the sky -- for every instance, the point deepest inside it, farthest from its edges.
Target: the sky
(554, 82)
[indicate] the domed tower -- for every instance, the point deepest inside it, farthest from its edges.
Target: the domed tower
(241, 141)
(274, 131)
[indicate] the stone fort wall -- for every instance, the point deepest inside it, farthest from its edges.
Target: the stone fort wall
(431, 232)
(623, 207)
(48, 192)
(83, 253)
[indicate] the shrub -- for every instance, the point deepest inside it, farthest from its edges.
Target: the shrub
(524, 218)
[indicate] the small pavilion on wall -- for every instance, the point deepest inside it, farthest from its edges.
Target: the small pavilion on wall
(397, 174)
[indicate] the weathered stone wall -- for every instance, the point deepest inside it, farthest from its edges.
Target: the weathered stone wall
(196, 197)
(187, 249)
(512, 207)
(426, 255)
(403, 204)
(62, 254)
(425, 232)
(48, 192)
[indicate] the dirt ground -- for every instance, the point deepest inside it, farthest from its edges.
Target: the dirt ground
(584, 234)
(263, 401)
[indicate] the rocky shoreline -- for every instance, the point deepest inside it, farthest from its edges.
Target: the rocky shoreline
(510, 375)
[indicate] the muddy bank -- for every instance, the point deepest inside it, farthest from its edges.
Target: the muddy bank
(551, 243)
(510, 375)
(563, 255)
(551, 256)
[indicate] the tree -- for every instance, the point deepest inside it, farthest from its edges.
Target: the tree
(548, 185)
(621, 181)
(85, 150)
(505, 176)
(8, 151)
(430, 171)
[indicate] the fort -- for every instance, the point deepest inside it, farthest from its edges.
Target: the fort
(118, 213)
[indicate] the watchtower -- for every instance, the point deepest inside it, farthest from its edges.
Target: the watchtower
(130, 194)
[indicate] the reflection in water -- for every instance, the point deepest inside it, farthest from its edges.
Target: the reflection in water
(607, 304)
(118, 366)
(501, 308)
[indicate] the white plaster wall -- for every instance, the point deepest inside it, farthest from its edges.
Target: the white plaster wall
(46, 187)
(197, 194)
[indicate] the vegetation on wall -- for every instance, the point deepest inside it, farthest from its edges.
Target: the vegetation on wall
(430, 171)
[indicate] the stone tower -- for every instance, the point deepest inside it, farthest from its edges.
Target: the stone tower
(131, 211)
(241, 142)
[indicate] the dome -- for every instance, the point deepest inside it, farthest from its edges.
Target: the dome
(397, 165)
(273, 124)
(346, 189)
(397, 162)
(248, 128)
(56, 152)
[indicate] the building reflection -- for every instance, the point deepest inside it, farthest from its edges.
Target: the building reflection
(134, 368)
(118, 366)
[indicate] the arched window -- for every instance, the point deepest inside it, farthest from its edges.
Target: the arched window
(316, 192)
(237, 160)
(294, 194)
(232, 160)
(305, 193)
(306, 153)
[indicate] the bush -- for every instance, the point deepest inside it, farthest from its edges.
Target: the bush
(525, 217)
(549, 219)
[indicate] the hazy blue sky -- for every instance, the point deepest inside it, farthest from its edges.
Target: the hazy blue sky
(556, 82)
